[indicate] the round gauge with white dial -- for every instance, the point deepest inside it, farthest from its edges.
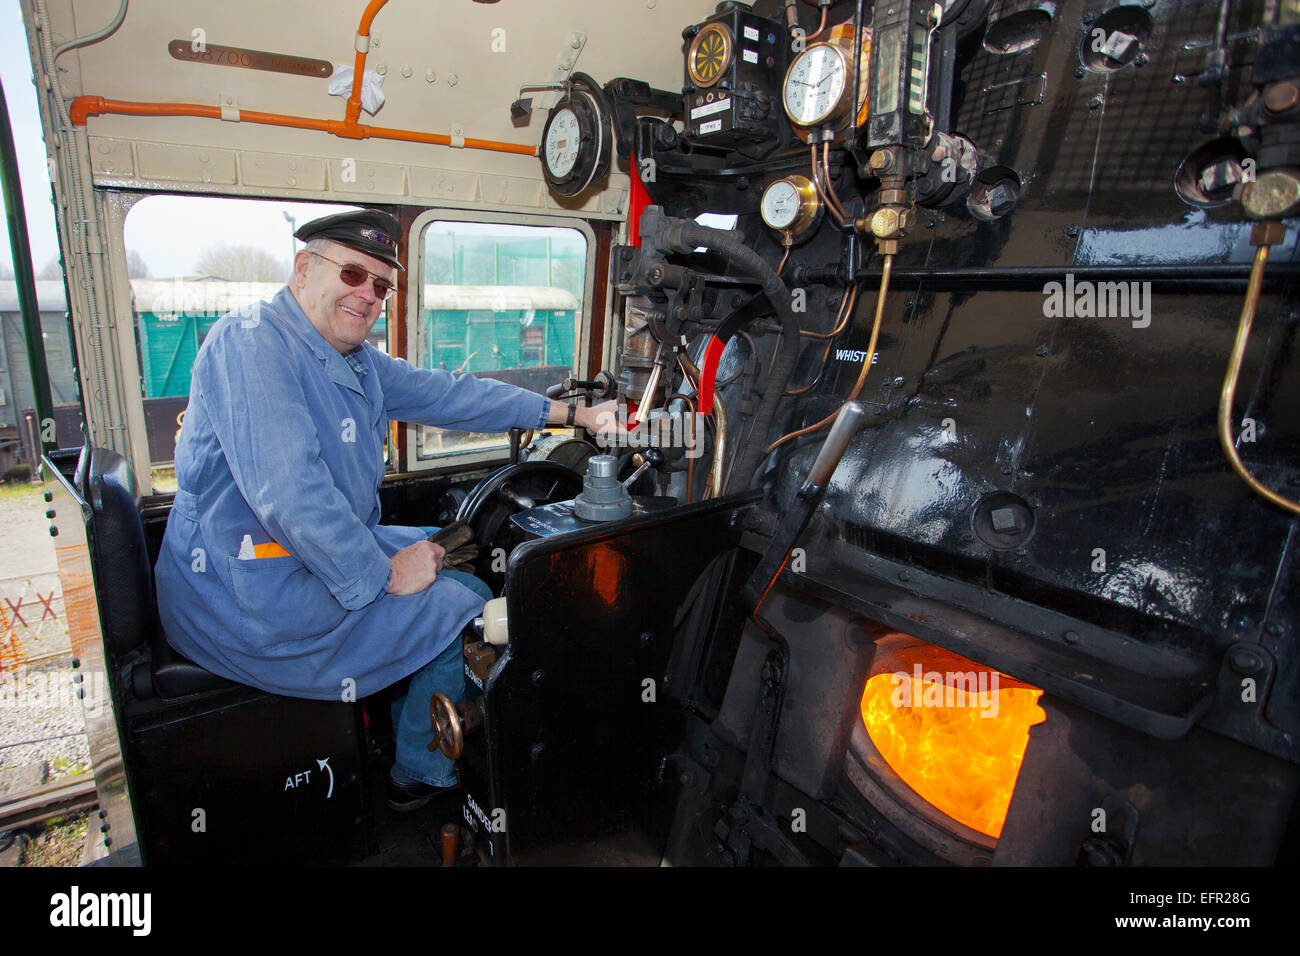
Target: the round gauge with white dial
(790, 205)
(563, 137)
(780, 206)
(576, 142)
(815, 85)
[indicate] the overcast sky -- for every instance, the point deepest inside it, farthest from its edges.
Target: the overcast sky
(16, 73)
(156, 227)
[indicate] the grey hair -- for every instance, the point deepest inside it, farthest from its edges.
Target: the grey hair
(320, 247)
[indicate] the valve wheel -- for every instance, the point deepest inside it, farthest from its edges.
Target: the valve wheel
(448, 733)
(503, 494)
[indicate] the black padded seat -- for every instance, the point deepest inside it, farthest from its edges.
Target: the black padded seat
(127, 602)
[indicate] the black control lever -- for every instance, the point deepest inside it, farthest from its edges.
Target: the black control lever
(602, 386)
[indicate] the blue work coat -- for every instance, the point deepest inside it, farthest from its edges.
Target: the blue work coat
(282, 444)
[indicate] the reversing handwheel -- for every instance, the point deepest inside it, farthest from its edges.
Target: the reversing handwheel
(504, 493)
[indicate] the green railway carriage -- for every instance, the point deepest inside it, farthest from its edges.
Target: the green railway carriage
(464, 328)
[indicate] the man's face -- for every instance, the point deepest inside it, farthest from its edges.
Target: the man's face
(343, 314)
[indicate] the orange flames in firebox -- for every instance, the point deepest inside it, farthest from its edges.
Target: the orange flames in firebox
(953, 730)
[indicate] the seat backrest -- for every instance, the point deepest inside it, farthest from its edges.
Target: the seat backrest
(122, 571)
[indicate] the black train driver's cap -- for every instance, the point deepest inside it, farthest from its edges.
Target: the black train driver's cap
(366, 230)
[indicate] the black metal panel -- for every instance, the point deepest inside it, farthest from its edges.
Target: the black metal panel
(244, 784)
(575, 753)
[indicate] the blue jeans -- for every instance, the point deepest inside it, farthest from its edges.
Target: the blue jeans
(412, 728)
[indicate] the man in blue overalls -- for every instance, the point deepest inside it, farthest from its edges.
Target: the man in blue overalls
(274, 570)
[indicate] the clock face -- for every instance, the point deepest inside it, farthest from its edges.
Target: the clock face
(562, 140)
(780, 204)
(709, 55)
(815, 84)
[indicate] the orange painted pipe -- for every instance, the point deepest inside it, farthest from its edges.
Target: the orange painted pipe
(354, 100)
(87, 106)
(349, 128)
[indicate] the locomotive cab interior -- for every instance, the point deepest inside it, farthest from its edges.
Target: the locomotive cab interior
(954, 521)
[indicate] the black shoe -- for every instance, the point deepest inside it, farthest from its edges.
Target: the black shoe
(405, 797)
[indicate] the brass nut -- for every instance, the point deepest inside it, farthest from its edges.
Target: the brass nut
(1267, 234)
(884, 223)
(894, 197)
(881, 160)
(887, 247)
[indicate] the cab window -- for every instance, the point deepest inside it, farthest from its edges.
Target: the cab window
(499, 300)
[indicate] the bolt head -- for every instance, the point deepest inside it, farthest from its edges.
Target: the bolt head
(1245, 661)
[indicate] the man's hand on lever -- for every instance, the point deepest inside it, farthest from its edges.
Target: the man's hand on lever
(600, 419)
(415, 567)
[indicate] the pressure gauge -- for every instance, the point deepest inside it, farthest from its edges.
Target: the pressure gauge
(790, 206)
(709, 54)
(576, 141)
(816, 84)
(561, 142)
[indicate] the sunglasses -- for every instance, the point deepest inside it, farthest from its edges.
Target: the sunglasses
(355, 275)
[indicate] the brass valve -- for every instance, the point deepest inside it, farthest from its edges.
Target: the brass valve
(450, 722)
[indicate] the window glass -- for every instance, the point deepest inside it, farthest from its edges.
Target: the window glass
(192, 259)
(500, 301)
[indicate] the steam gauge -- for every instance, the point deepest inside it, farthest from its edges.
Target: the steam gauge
(815, 85)
(791, 207)
(576, 142)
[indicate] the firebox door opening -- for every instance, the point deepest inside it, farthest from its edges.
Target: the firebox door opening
(940, 745)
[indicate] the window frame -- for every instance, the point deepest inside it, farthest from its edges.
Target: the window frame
(460, 461)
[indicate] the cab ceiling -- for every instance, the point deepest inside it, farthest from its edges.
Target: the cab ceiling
(452, 41)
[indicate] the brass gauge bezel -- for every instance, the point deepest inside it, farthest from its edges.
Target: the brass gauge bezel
(809, 211)
(728, 51)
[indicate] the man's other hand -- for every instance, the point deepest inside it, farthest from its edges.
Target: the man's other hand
(415, 567)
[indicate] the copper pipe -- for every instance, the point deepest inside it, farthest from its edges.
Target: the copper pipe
(690, 461)
(846, 309)
(1230, 387)
(783, 258)
(820, 27)
(86, 106)
(830, 185)
(866, 363)
(850, 298)
(821, 191)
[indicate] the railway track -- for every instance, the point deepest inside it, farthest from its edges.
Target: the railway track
(64, 796)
